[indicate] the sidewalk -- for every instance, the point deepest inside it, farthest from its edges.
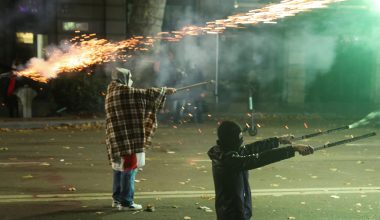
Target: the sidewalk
(20, 123)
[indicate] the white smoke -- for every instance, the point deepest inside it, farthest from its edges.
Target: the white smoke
(366, 120)
(318, 50)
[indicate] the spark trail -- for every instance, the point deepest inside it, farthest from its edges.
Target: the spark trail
(86, 50)
(366, 120)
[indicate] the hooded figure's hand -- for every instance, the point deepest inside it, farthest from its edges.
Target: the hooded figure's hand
(303, 149)
(286, 139)
(170, 91)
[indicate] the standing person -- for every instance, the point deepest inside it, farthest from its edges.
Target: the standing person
(130, 123)
(10, 97)
(230, 164)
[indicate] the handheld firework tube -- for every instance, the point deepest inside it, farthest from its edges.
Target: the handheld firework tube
(344, 141)
(194, 85)
(321, 133)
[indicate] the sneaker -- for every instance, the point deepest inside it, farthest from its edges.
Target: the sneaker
(133, 207)
(115, 204)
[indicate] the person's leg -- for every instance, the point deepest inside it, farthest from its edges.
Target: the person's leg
(199, 111)
(131, 187)
(127, 190)
(8, 103)
(177, 111)
(116, 187)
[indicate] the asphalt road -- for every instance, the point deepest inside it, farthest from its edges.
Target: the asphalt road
(63, 173)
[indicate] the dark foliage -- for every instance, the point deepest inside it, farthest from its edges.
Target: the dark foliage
(79, 92)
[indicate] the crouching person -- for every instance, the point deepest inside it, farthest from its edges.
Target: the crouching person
(231, 161)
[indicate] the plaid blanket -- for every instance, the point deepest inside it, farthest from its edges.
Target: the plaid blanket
(130, 118)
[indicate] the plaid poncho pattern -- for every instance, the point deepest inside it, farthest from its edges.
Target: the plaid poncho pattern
(130, 118)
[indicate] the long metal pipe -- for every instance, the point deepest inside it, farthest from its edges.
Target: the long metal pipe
(321, 133)
(195, 85)
(344, 141)
(217, 70)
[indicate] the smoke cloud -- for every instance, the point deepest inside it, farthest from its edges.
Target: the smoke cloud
(370, 118)
(317, 49)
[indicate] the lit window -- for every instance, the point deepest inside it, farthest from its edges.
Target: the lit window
(75, 26)
(24, 37)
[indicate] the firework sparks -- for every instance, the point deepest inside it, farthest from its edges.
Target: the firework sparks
(80, 55)
(366, 120)
(86, 50)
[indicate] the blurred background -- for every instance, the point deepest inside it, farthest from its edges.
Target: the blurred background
(325, 61)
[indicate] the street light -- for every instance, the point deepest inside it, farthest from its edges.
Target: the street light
(236, 4)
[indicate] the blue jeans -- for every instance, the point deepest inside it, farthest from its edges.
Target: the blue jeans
(123, 189)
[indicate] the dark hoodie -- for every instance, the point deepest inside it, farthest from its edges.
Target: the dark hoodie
(230, 173)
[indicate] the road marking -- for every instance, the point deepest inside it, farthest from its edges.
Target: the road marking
(208, 160)
(185, 194)
(21, 163)
(362, 144)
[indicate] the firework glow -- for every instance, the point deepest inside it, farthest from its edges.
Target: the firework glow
(76, 56)
(85, 50)
(373, 116)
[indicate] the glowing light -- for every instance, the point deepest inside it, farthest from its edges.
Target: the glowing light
(377, 5)
(305, 125)
(86, 50)
(25, 37)
(236, 4)
(366, 120)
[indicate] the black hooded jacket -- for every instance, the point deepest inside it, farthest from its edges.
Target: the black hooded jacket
(230, 173)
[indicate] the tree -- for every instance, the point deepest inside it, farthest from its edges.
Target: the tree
(146, 17)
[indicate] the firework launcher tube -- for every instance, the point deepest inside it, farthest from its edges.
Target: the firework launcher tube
(194, 85)
(344, 141)
(321, 133)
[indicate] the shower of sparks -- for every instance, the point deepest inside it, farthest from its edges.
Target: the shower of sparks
(85, 50)
(371, 117)
(80, 55)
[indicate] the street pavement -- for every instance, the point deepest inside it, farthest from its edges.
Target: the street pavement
(61, 172)
(32, 123)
